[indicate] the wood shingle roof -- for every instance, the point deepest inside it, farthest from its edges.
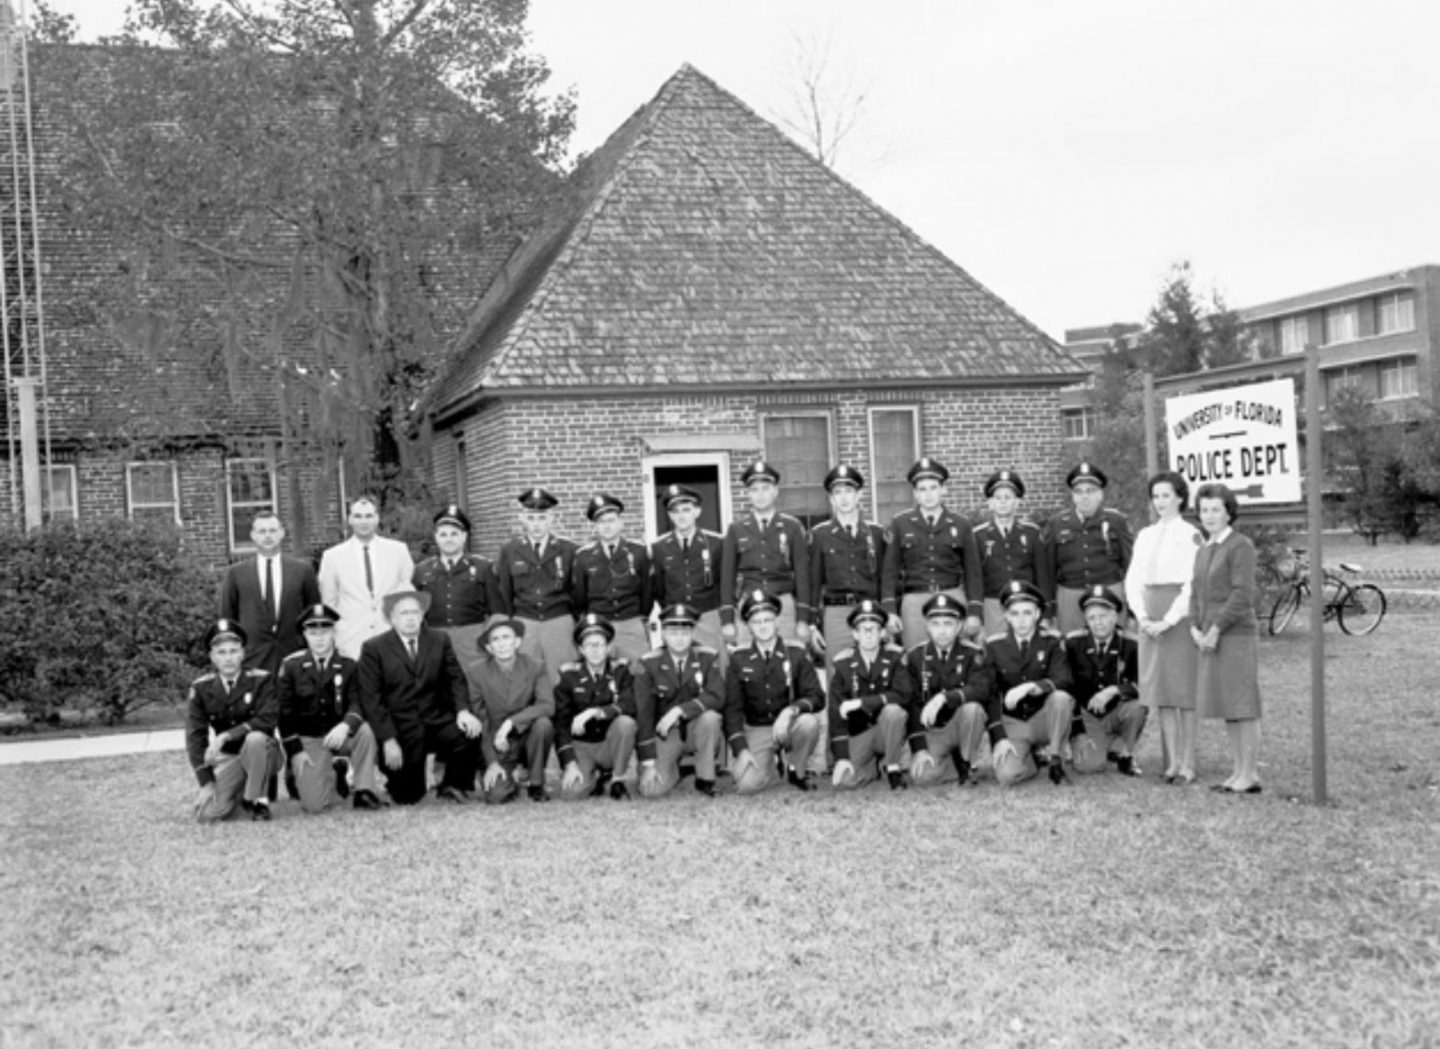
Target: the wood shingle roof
(701, 246)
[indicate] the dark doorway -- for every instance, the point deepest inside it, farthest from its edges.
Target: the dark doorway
(704, 478)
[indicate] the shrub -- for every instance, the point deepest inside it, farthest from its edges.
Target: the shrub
(103, 620)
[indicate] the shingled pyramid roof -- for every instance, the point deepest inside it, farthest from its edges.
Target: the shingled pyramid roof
(702, 247)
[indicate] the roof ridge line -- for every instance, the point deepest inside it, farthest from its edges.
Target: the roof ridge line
(576, 230)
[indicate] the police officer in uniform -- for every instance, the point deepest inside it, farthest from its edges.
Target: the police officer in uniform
(846, 554)
(765, 550)
(679, 700)
(595, 715)
(686, 567)
(230, 720)
(772, 697)
(321, 719)
(611, 578)
(929, 550)
(463, 590)
(533, 574)
(867, 707)
(947, 684)
(1011, 547)
(1089, 544)
(1103, 663)
(1030, 704)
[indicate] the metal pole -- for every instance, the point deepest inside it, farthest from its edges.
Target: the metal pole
(1313, 484)
(29, 453)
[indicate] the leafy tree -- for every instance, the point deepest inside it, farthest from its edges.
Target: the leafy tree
(310, 193)
(1367, 464)
(1185, 334)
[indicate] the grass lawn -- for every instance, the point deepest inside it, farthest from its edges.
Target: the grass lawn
(1115, 913)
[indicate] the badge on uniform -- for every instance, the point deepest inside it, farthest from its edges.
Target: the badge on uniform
(248, 697)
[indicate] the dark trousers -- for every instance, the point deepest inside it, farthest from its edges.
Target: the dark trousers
(460, 755)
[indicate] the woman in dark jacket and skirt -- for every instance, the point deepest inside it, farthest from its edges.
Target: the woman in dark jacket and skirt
(1225, 630)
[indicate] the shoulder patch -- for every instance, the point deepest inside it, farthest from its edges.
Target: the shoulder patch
(965, 642)
(1077, 634)
(996, 637)
(704, 650)
(593, 544)
(204, 677)
(891, 647)
(303, 653)
(566, 667)
(845, 653)
(712, 535)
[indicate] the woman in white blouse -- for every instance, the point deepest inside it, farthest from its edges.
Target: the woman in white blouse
(1157, 588)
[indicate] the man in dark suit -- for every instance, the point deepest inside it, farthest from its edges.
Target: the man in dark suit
(416, 700)
(266, 594)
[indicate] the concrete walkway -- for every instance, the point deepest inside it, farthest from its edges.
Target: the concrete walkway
(33, 750)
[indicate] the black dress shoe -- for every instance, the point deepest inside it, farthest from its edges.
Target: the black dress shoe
(602, 781)
(1126, 766)
(619, 791)
(342, 777)
(801, 780)
(962, 772)
(537, 792)
(898, 779)
(365, 799)
(706, 787)
(451, 794)
(1057, 774)
(260, 810)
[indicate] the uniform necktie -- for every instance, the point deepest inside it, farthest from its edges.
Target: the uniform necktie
(850, 531)
(229, 686)
(411, 646)
(369, 571)
(609, 552)
(929, 521)
(269, 595)
(684, 546)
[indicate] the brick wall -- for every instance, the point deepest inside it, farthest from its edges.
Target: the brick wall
(575, 447)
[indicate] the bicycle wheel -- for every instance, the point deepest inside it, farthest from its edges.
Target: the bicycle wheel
(1285, 607)
(1362, 609)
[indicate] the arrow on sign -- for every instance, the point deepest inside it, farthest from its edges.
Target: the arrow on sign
(1253, 491)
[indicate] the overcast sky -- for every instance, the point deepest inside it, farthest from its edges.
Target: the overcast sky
(1066, 152)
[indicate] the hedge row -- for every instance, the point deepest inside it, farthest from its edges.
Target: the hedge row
(101, 621)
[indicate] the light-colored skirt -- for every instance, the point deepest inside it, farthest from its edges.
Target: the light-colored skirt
(1227, 684)
(1168, 663)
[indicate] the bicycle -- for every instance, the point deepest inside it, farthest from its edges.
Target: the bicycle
(1357, 607)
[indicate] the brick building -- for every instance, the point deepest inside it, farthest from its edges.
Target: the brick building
(157, 411)
(712, 293)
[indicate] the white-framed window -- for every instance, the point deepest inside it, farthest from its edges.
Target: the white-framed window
(1337, 379)
(58, 497)
(1395, 312)
(894, 447)
(249, 488)
(1079, 423)
(1294, 334)
(152, 491)
(800, 445)
(1342, 324)
(1398, 378)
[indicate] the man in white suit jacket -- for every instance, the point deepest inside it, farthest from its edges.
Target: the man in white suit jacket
(356, 575)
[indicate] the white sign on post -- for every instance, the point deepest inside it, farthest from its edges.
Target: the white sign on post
(1243, 437)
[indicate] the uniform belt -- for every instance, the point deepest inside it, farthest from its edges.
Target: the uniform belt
(848, 597)
(930, 588)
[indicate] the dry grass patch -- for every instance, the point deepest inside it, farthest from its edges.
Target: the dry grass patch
(1115, 913)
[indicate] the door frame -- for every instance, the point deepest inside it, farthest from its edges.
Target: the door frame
(719, 460)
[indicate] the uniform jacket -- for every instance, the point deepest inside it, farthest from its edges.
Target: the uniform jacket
(1019, 553)
(922, 558)
(1041, 660)
(313, 701)
(1094, 666)
(342, 586)
(690, 577)
(1223, 590)
(579, 688)
(876, 686)
(399, 696)
(518, 695)
(662, 683)
(776, 558)
(536, 585)
(271, 635)
(249, 706)
(963, 674)
(842, 566)
(1095, 550)
(463, 595)
(758, 688)
(616, 587)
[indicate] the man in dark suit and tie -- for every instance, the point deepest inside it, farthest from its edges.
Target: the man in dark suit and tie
(416, 700)
(266, 594)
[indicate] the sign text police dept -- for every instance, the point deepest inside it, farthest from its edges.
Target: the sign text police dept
(1243, 437)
